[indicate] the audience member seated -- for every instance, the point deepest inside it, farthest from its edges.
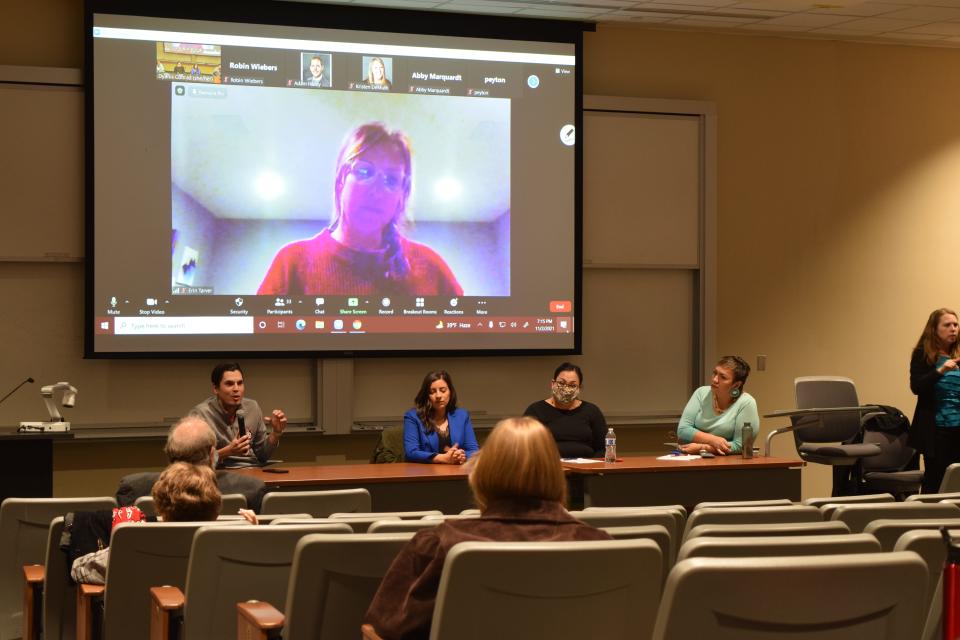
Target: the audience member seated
(577, 426)
(518, 483)
(192, 440)
(184, 493)
(435, 430)
(714, 416)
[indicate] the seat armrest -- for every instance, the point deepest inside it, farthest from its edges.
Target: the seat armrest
(776, 432)
(166, 611)
(87, 597)
(369, 633)
(32, 600)
(258, 621)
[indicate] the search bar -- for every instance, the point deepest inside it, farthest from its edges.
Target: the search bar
(171, 325)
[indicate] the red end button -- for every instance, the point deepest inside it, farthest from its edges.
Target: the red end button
(561, 306)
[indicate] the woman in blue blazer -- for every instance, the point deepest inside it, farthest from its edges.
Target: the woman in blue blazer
(435, 430)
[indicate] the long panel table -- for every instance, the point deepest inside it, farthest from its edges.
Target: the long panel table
(649, 481)
(641, 480)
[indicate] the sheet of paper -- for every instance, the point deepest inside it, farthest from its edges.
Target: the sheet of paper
(582, 460)
(683, 457)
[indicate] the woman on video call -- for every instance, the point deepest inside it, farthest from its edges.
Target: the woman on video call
(377, 72)
(363, 250)
(436, 430)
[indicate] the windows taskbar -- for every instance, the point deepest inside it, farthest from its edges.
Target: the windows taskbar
(224, 325)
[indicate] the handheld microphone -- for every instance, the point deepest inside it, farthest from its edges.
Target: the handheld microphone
(14, 390)
(241, 425)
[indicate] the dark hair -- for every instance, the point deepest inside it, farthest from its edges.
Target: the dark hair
(569, 366)
(216, 376)
(739, 366)
(422, 401)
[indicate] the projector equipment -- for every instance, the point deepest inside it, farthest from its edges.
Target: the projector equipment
(68, 398)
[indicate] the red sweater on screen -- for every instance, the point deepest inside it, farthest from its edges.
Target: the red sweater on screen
(322, 266)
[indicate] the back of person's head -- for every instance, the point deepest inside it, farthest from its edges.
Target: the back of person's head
(187, 492)
(216, 376)
(519, 460)
(190, 440)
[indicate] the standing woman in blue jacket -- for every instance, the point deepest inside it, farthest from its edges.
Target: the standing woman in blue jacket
(435, 430)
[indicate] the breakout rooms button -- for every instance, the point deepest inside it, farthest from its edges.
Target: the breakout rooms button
(560, 306)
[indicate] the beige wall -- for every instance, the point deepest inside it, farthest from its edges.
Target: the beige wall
(836, 207)
(838, 198)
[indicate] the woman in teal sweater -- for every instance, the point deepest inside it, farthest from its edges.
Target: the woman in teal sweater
(715, 414)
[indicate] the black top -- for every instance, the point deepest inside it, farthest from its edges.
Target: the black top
(923, 382)
(579, 432)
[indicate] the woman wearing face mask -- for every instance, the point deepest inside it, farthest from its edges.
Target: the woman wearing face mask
(715, 414)
(436, 430)
(935, 379)
(577, 426)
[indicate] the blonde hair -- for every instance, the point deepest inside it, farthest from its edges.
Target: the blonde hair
(929, 342)
(519, 460)
(187, 492)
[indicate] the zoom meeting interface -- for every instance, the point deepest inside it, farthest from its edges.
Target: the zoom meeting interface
(269, 188)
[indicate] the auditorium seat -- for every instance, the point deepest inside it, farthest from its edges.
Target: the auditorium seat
(357, 525)
(752, 515)
(557, 590)
(230, 503)
(858, 516)
(332, 581)
(765, 546)
(779, 502)
(24, 528)
(889, 531)
(141, 556)
(951, 479)
(228, 564)
(656, 532)
(929, 545)
(55, 604)
(867, 498)
(403, 515)
(319, 504)
(678, 510)
(769, 529)
(633, 518)
(933, 497)
(794, 597)
(397, 526)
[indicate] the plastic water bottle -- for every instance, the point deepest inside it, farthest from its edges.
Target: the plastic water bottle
(610, 455)
(746, 440)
